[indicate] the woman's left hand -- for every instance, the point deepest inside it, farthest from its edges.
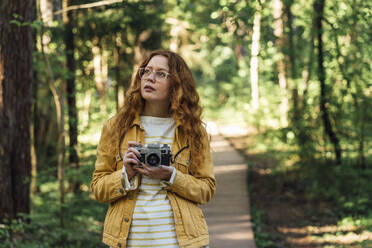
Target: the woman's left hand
(163, 172)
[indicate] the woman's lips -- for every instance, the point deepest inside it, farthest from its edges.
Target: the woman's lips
(148, 88)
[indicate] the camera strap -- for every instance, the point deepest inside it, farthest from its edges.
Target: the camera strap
(179, 151)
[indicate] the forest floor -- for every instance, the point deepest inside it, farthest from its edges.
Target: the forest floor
(283, 213)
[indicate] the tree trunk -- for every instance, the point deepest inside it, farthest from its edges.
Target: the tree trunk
(319, 10)
(291, 66)
(34, 135)
(98, 64)
(16, 48)
(254, 56)
(86, 108)
(281, 64)
(60, 105)
(358, 95)
(71, 93)
(46, 10)
(119, 90)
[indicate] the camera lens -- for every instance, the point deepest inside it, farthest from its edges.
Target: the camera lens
(153, 159)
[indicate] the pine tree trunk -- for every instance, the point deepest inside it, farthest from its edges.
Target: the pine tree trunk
(319, 11)
(16, 48)
(71, 93)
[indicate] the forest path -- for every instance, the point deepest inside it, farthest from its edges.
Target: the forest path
(228, 214)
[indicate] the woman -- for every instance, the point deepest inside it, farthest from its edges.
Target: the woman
(156, 206)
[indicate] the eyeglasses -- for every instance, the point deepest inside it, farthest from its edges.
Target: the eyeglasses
(145, 72)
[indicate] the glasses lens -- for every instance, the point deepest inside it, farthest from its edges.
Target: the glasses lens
(141, 72)
(159, 75)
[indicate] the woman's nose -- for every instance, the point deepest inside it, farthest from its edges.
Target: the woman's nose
(152, 76)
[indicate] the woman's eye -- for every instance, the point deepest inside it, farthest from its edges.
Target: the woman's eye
(161, 74)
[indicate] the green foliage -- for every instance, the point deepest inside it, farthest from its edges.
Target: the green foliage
(344, 189)
(261, 237)
(83, 216)
(349, 188)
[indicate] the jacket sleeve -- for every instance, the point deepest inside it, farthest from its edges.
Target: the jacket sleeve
(106, 182)
(201, 185)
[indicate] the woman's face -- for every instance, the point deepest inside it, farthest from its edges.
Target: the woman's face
(155, 81)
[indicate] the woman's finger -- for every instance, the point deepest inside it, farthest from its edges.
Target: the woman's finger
(134, 150)
(146, 167)
(132, 143)
(139, 170)
(132, 155)
(134, 161)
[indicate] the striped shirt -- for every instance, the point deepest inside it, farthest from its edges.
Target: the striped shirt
(153, 221)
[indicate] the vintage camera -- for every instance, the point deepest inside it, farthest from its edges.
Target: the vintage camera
(155, 154)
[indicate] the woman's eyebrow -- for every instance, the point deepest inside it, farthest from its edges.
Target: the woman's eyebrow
(163, 69)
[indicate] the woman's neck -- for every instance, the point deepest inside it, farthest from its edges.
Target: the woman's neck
(156, 110)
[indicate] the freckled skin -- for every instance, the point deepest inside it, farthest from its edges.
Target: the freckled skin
(160, 95)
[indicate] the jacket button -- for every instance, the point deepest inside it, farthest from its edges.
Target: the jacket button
(121, 191)
(126, 219)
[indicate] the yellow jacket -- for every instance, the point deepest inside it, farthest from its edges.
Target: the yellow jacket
(189, 189)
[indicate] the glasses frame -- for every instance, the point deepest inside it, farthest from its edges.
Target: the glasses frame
(157, 77)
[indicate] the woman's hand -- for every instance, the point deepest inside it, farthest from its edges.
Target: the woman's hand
(131, 159)
(162, 172)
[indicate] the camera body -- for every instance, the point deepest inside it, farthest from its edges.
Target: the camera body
(154, 154)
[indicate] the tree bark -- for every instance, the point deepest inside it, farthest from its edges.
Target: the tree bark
(99, 73)
(319, 11)
(291, 66)
(34, 134)
(254, 56)
(349, 78)
(119, 89)
(60, 105)
(46, 10)
(281, 64)
(16, 47)
(71, 93)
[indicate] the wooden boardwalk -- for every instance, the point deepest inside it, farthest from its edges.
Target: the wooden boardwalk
(228, 214)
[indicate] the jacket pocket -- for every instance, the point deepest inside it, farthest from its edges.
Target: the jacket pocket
(112, 220)
(187, 218)
(192, 218)
(198, 218)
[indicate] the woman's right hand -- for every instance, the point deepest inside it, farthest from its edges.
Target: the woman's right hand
(131, 159)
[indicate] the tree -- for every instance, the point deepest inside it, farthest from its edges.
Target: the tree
(319, 11)
(71, 90)
(16, 47)
(280, 42)
(254, 55)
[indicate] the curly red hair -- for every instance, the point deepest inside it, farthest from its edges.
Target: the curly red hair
(184, 104)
